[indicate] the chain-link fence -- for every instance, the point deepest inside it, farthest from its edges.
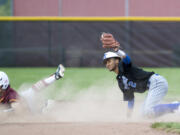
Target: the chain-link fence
(77, 44)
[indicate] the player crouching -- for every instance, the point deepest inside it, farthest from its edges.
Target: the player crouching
(132, 79)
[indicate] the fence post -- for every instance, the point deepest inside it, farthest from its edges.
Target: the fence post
(12, 7)
(49, 44)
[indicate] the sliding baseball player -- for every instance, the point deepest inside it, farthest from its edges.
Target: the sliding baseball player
(12, 101)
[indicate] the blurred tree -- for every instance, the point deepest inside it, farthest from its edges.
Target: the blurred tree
(5, 7)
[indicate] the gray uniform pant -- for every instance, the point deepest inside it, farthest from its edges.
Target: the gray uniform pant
(34, 100)
(157, 90)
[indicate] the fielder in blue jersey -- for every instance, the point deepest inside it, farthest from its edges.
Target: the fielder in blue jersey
(132, 79)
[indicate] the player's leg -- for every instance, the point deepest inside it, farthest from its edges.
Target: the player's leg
(161, 109)
(34, 100)
(33, 95)
(47, 81)
(157, 90)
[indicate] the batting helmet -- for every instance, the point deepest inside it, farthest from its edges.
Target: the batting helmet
(108, 55)
(4, 81)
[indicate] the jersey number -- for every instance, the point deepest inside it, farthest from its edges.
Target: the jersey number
(127, 84)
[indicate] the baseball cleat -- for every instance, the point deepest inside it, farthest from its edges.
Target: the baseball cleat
(59, 72)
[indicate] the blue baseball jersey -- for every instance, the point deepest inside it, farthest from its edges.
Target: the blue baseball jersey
(131, 79)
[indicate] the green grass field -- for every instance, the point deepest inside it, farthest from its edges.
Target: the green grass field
(83, 78)
(80, 79)
(169, 126)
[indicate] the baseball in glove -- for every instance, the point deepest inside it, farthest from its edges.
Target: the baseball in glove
(108, 41)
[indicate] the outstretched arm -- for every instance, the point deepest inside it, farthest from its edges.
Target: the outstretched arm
(108, 41)
(12, 108)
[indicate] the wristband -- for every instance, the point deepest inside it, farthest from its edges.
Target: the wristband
(121, 53)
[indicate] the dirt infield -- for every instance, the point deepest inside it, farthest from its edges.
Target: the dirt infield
(85, 116)
(76, 119)
(80, 128)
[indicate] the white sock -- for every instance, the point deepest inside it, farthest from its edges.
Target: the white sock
(44, 83)
(121, 53)
(50, 79)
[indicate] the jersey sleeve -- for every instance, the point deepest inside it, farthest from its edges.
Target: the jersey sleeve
(131, 104)
(126, 63)
(128, 95)
(13, 96)
(127, 60)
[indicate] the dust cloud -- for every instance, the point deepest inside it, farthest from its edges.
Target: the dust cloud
(98, 103)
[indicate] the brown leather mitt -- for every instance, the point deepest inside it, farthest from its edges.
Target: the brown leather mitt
(108, 41)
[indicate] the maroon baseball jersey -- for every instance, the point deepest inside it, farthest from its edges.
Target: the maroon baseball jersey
(9, 96)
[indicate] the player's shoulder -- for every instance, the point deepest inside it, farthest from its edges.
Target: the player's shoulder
(10, 95)
(127, 60)
(10, 91)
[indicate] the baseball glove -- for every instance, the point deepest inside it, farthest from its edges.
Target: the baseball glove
(108, 41)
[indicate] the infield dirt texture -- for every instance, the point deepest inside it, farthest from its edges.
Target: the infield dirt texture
(89, 103)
